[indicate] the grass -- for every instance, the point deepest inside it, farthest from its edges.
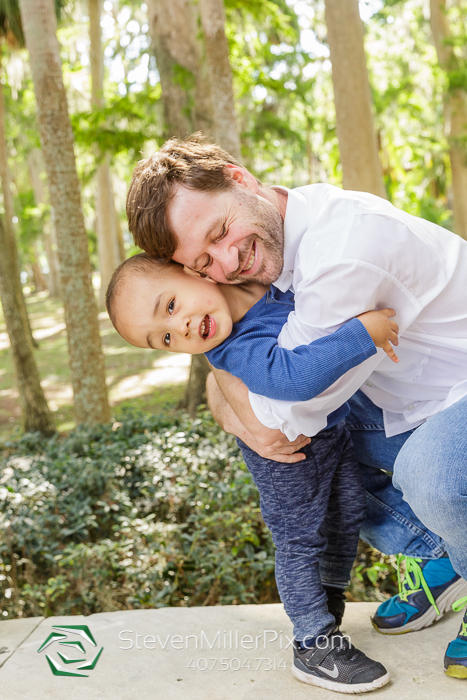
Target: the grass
(145, 379)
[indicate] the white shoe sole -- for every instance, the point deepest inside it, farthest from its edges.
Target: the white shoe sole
(444, 603)
(340, 687)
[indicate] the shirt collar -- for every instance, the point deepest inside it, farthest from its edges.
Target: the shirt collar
(296, 222)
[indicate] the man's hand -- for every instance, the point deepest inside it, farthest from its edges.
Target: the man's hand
(277, 447)
(270, 444)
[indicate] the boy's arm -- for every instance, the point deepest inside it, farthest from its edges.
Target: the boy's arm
(227, 393)
(294, 375)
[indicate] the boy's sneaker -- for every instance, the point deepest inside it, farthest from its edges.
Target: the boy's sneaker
(429, 589)
(334, 663)
(455, 659)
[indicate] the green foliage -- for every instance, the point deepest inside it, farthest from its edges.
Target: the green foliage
(374, 575)
(458, 78)
(11, 26)
(153, 511)
(284, 100)
(10, 22)
(123, 125)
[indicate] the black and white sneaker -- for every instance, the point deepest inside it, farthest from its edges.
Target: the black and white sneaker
(337, 665)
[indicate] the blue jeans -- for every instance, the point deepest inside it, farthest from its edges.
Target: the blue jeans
(314, 510)
(422, 509)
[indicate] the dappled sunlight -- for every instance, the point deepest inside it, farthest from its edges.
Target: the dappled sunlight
(57, 395)
(39, 334)
(115, 351)
(49, 331)
(4, 341)
(9, 394)
(167, 370)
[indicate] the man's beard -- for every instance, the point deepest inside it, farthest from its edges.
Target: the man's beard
(264, 218)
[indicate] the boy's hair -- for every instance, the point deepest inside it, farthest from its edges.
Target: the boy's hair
(194, 163)
(142, 263)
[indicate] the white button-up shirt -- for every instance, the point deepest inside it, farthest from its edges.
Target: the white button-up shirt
(350, 252)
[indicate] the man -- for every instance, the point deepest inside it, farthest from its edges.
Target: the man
(342, 253)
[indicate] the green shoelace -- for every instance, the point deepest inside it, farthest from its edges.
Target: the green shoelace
(414, 579)
(457, 607)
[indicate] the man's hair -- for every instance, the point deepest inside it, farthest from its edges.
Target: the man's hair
(194, 163)
(137, 264)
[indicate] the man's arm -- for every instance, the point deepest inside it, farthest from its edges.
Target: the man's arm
(271, 444)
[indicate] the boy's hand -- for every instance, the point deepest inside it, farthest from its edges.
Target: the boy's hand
(382, 329)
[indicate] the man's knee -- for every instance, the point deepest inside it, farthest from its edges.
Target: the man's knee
(429, 485)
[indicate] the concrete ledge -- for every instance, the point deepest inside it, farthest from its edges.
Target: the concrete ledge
(13, 633)
(145, 656)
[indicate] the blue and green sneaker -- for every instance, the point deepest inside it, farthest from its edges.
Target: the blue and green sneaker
(455, 659)
(429, 589)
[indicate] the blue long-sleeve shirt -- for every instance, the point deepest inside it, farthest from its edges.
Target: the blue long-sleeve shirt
(252, 354)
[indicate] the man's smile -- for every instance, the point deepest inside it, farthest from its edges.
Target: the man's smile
(251, 264)
(251, 259)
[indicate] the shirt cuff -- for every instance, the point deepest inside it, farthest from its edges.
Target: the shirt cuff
(360, 335)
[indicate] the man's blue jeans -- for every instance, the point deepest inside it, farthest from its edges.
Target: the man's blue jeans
(422, 509)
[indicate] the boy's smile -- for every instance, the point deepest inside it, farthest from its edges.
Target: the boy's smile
(208, 327)
(190, 314)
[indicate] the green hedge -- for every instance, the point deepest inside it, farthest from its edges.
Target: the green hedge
(151, 512)
(154, 511)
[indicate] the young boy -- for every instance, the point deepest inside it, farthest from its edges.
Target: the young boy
(314, 508)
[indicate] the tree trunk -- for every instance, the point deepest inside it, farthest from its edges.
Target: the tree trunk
(456, 112)
(86, 359)
(40, 282)
(195, 392)
(107, 234)
(178, 49)
(220, 75)
(10, 238)
(186, 97)
(35, 165)
(352, 96)
(118, 224)
(34, 409)
(52, 260)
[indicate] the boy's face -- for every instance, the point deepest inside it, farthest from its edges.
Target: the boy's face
(174, 311)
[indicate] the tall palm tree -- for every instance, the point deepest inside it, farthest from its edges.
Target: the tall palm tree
(11, 33)
(455, 110)
(34, 409)
(361, 167)
(197, 94)
(84, 345)
(107, 233)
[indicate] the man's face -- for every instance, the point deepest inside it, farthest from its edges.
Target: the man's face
(232, 236)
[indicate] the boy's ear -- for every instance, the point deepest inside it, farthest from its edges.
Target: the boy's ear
(194, 273)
